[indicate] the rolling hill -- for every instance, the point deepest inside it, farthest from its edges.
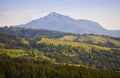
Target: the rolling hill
(93, 39)
(66, 49)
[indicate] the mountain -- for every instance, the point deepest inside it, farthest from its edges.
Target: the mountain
(59, 22)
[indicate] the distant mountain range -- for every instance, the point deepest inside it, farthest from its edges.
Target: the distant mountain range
(58, 22)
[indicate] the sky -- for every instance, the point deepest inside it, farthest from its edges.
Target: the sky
(104, 12)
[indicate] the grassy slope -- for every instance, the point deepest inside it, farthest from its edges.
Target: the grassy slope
(74, 44)
(68, 38)
(92, 39)
(13, 52)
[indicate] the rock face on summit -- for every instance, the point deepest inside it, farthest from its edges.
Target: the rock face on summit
(58, 22)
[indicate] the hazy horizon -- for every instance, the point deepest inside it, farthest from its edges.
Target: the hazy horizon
(104, 12)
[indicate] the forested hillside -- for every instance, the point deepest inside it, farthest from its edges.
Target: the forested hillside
(32, 33)
(56, 54)
(12, 69)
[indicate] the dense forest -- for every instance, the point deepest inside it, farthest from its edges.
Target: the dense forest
(32, 53)
(14, 69)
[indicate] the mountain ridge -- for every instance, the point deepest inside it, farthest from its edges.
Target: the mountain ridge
(59, 22)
